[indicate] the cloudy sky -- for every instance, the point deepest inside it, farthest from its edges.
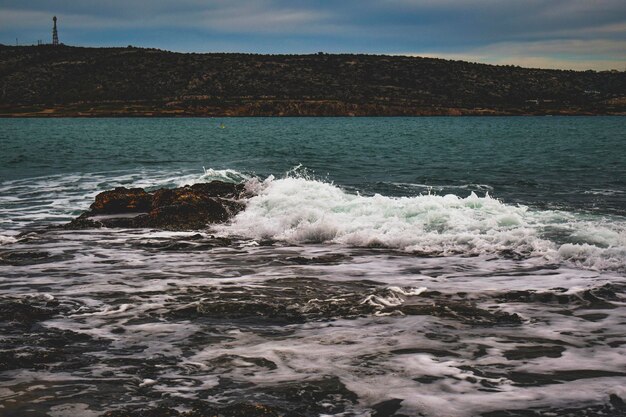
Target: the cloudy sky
(570, 34)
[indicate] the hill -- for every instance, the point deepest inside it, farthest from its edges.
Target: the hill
(76, 81)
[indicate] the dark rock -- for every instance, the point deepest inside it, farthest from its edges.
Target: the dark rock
(284, 301)
(184, 208)
(202, 409)
(33, 350)
(23, 258)
(26, 343)
(82, 223)
(520, 378)
(427, 379)
(387, 408)
(617, 402)
(614, 408)
(196, 242)
(327, 395)
(330, 259)
(122, 200)
(601, 297)
(23, 312)
(531, 352)
(299, 300)
(463, 312)
(324, 396)
(440, 353)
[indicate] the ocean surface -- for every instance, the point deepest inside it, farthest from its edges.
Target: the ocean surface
(384, 266)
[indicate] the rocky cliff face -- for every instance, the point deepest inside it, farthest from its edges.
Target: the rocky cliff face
(49, 81)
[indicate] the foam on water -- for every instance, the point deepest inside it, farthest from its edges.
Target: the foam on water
(112, 281)
(225, 175)
(519, 307)
(5, 240)
(25, 203)
(302, 210)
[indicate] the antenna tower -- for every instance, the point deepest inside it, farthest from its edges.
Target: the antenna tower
(55, 35)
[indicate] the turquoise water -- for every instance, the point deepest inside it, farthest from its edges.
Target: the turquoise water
(458, 267)
(570, 162)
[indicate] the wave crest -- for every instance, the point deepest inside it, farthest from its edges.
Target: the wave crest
(301, 210)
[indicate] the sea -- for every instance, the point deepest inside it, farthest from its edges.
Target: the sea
(430, 266)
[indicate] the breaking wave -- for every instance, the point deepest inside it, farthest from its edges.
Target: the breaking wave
(300, 209)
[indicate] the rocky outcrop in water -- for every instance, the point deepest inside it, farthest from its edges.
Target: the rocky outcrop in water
(185, 208)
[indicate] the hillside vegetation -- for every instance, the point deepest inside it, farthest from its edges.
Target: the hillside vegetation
(57, 81)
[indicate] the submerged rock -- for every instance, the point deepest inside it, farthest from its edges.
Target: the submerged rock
(23, 258)
(185, 208)
(302, 398)
(300, 300)
(26, 343)
(202, 409)
(612, 407)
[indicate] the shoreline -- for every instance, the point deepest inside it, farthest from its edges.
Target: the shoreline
(135, 82)
(46, 113)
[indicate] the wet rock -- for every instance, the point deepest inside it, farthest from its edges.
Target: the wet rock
(531, 352)
(38, 349)
(23, 258)
(284, 301)
(202, 409)
(195, 242)
(614, 407)
(330, 259)
(617, 402)
(26, 343)
(122, 200)
(185, 208)
(300, 300)
(82, 223)
(593, 316)
(268, 311)
(295, 399)
(536, 379)
(312, 398)
(440, 353)
(226, 361)
(600, 297)
(428, 379)
(24, 312)
(387, 408)
(466, 313)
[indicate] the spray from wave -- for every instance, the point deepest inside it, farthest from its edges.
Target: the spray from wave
(300, 209)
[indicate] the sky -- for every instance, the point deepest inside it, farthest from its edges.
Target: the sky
(565, 34)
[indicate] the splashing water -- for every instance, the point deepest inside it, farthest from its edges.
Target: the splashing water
(457, 267)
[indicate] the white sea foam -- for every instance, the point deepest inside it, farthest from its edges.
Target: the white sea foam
(58, 198)
(393, 298)
(5, 240)
(299, 209)
(303, 210)
(224, 175)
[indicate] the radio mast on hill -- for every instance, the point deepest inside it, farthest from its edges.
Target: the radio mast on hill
(55, 35)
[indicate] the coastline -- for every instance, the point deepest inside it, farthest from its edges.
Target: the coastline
(284, 109)
(69, 81)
